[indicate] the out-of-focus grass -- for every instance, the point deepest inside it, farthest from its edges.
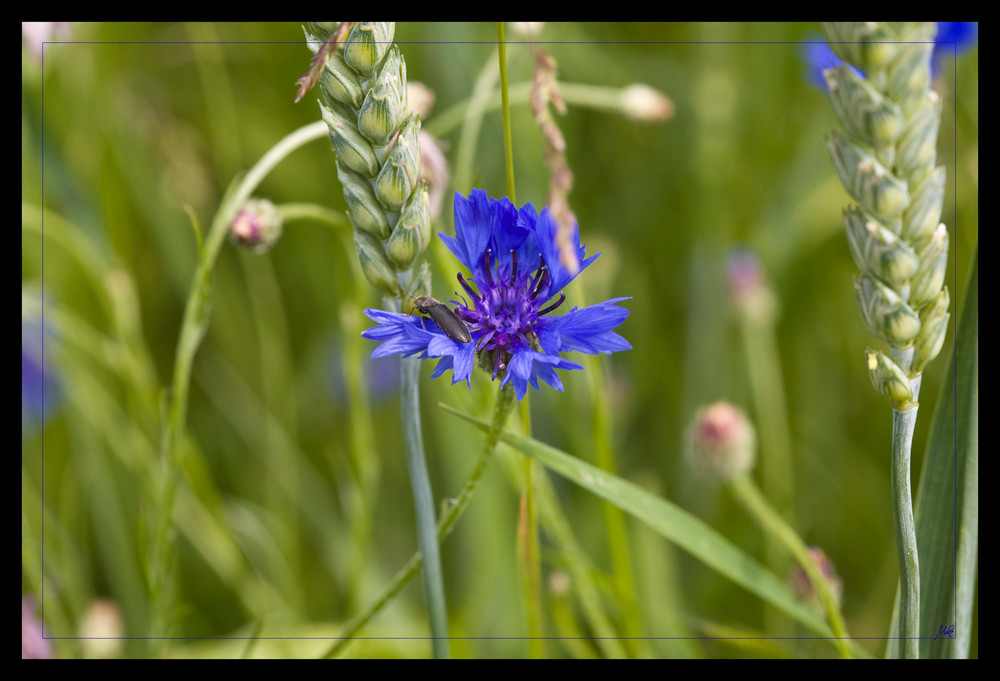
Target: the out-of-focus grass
(135, 122)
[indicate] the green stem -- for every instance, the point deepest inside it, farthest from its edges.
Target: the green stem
(750, 496)
(903, 424)
(423, 502)
(508, 149)
(501, 410)
(192, 331)
(596, 97)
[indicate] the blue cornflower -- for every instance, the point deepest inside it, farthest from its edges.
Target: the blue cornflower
(39, 387)
(515, 273)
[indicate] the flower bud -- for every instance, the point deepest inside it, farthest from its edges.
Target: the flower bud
(721, 441)
(929, 277)
(867, 180)
(877, 250)
(748, 287)
(864, 111)
(933, 328)
(399, 174)
(884, 313)
(351, 148)
(101, 629)
(341, 83)
(419, 98)
(362, 206)
(257, 226)
(374, 264)
(645, 104)
(802, 586)
(412, 232)
(916, 149)
(923, 214)
(889, 380)
(366, 45)
(385, 104)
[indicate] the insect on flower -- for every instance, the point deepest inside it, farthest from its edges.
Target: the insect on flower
(444, 317)
(504, 322)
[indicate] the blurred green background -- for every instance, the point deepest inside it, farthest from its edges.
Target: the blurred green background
(131, 129)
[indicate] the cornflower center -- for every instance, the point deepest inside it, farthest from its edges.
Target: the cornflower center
(503, 313)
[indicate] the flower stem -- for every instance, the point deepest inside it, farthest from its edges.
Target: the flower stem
(423, 502)
(192, 331)
(903, 423)
(754, 502)
(501, 410)
(508, 150)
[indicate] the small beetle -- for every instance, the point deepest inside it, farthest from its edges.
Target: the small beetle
(444, 317)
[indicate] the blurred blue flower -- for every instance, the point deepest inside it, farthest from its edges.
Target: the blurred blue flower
(39, 389)
(516, 271)
(952, 37)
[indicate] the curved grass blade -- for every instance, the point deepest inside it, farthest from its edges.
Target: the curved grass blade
(673, 523)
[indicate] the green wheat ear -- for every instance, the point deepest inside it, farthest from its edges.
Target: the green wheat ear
(376, 139)
(884, 154)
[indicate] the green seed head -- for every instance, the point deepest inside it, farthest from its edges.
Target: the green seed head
(341, 83)
(929, 277)
(374, 264)
(877, 250)
(917, 146)
(889, 380)
(866, 179)
(924, 212)
(866, 114)
(351, 148)
(884, 313)
(933, 329)
(366, 213)
(412, 233)
(366, 45)
(399, 175)
(385, 104)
